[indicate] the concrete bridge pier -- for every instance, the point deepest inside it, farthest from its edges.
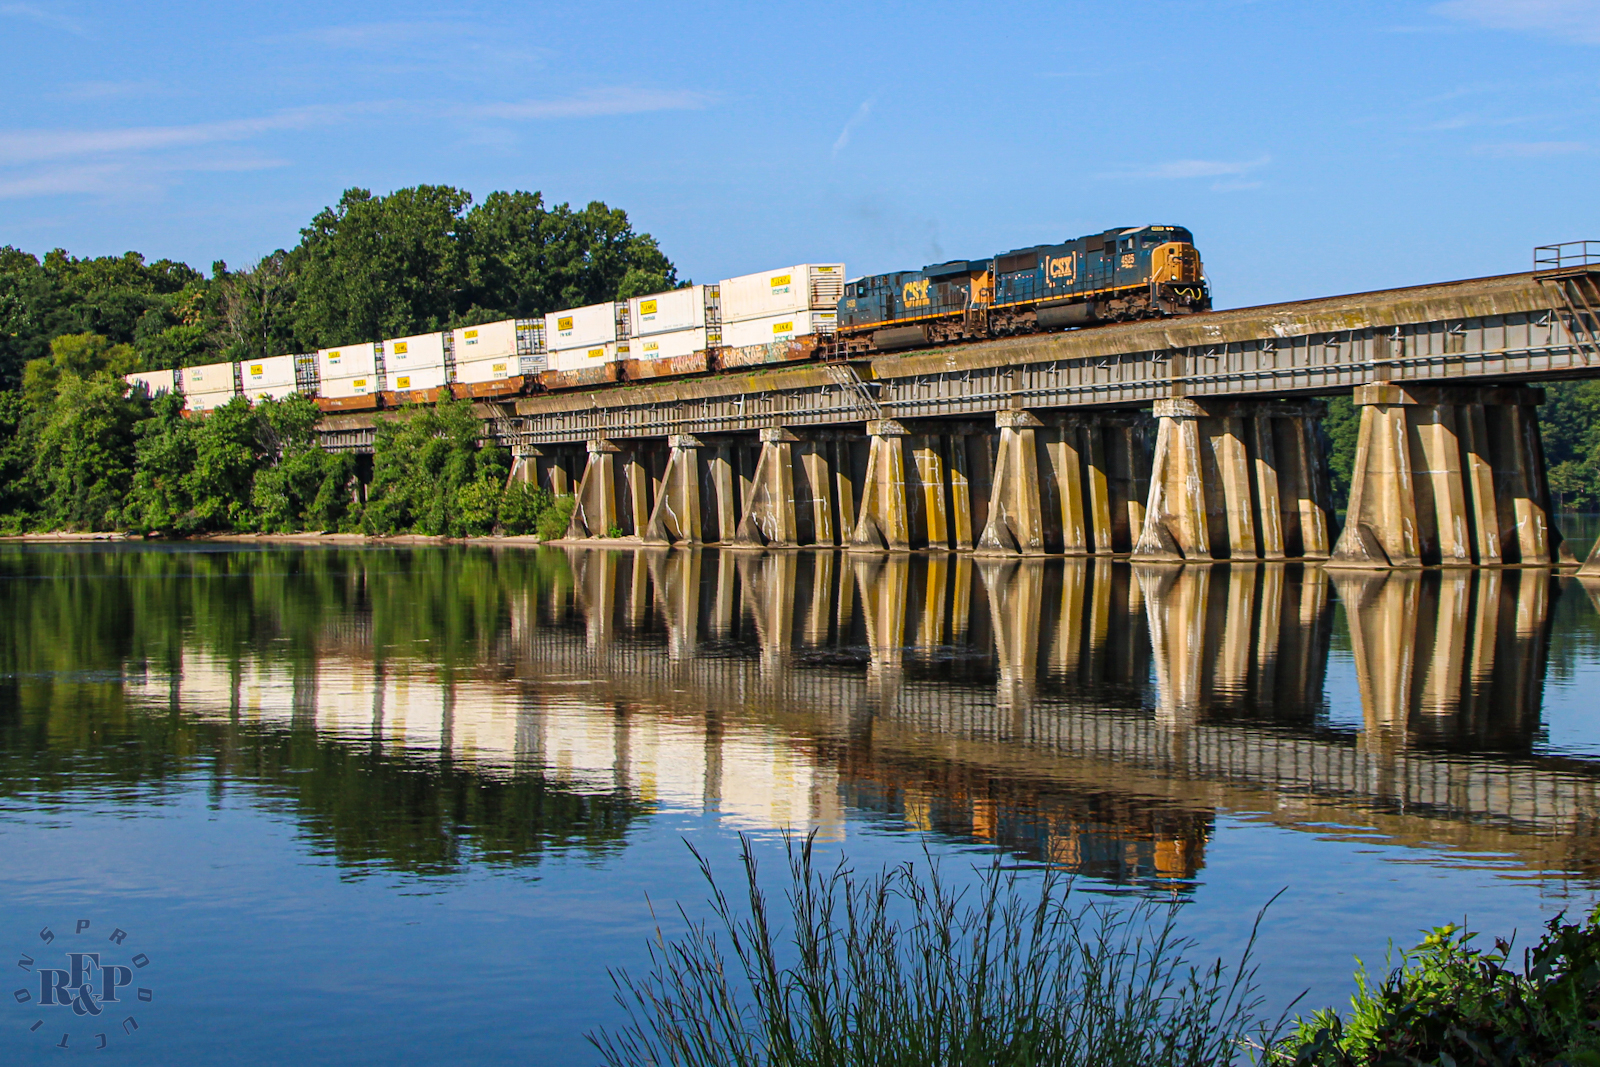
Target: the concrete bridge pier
(1072, 484)
(1448, 475)
(679, 516)
(1236, 480)
(798, 492)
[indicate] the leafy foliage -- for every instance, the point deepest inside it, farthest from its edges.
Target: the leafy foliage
(429, 475)
(1449, 1002)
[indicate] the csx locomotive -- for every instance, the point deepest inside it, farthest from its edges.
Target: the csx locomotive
(1120, 274)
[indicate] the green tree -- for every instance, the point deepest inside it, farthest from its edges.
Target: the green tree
(84, 461)
(75, 354)
(16, 461)
(298, 485)
(164, 455)
(528, 260)
(226, 444)
(431, 477)
(1342, 425)
(382, 266)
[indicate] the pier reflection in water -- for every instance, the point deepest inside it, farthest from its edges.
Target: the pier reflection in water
(420, 710)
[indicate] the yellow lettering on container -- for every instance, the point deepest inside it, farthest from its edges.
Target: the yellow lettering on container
(564, 323)
(255, 370)
(333, 357)
(783, 327)
(596, 353)
(360, 383)
(648, 307)
(471, 336)
(402, 383)
(499, 368)
(399, 348)
(780, 280)
(651, 346)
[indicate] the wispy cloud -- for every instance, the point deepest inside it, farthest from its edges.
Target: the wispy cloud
(1229, 174)
(1576, 20)
(842, 142)
(43, 16)
(596, 102)
(33, 146)
(122, 178)
(1533, 149)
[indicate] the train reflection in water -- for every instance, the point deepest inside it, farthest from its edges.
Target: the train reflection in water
(1087, 713)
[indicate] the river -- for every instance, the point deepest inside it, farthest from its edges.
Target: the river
(413, 804)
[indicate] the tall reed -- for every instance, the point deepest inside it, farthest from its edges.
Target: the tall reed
(901, 969)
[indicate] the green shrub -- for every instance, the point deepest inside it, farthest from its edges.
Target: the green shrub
(521, 505)
(1449, 1002)
(553, 522)
(901, 970)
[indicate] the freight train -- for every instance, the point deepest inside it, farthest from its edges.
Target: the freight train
(807, 311)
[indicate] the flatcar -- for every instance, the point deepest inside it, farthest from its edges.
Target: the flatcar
(1119, 274)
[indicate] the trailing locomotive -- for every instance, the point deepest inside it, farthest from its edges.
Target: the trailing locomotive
(1117, 275)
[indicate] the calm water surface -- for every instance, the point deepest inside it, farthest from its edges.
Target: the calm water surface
(378, 806)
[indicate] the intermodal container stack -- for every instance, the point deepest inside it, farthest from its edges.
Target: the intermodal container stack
(349, 376)
(780, 314)
(672, 333)
(414, 369)
(208, 386)
(486, 358)
(585, 345)
(271, 377)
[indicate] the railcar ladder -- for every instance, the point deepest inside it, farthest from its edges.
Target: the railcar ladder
(1572, 271)
(857, 391)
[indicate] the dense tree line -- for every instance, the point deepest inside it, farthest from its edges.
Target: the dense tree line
(77, 452)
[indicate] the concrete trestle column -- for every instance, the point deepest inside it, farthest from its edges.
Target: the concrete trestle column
(796, 495)
(1236, 480)
(679, 517)
(1073, 484)
(595, 512)
(613, 497)
(1448, 475)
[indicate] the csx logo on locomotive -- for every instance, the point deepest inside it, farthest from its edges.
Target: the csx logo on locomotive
(1064, 269)
(915, 294)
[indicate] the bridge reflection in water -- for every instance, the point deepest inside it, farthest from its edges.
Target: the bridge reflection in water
(1083, 712)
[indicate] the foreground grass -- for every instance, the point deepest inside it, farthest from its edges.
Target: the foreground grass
(902, 970)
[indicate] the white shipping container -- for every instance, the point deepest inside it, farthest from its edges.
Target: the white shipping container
(681, 309)
(592, 356)
(405, 378)
(207, 386)
(403, 355)
(347, 387)
(580, 328)
(668, 345)
(272, 376)
(492, 339)
(778, 328)
(808, 286)
(492, 369)
(347, 361)
(155, 382)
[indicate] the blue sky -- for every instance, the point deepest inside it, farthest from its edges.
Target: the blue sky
(1313, 148)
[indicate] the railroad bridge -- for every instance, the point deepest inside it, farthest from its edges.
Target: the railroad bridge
(1192, 438)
